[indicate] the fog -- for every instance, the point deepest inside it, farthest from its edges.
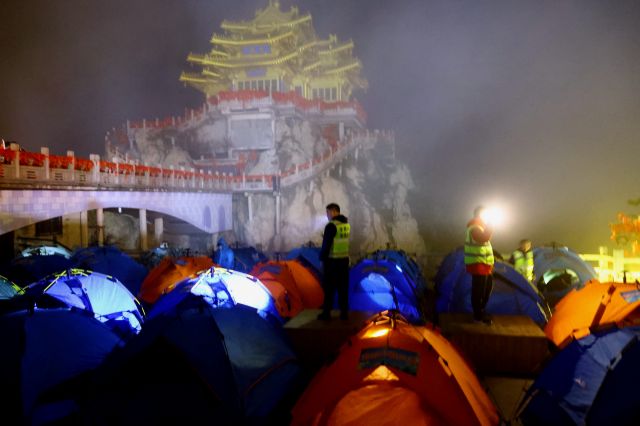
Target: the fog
(534, 105)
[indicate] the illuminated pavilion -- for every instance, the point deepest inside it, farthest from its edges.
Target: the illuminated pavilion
(277, 51)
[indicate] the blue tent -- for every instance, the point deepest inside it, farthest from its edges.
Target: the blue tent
(245, 258)
(380, 282)
(109, 260)
(194, 363)
(186, 292)
(106, 298)
(594, 380)
(559, 270)
(406, 262)
(244, 289)
(7, 288)
(46, 251)
(26, 270)
(309, 256)
(512, 293)
(41, 350)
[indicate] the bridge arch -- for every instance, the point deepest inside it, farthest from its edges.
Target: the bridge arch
(210, 212)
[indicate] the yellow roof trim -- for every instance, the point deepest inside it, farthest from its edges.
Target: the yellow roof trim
(340, 48)
(348, 67)
(241, 26)
(222, 40)
(223, 64)
(210, 73)
(312, 66)
(190, 78)
(219, 52)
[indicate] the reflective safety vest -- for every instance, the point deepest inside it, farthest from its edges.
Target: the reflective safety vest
(340, 245)
(475, 252)
(523, 263)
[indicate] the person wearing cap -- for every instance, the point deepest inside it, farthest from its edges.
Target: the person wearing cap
(335, 259)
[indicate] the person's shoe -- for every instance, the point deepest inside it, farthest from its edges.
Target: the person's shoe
(344, 316)
(324, 316)
(486, 318)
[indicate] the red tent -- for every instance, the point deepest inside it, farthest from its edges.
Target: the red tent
(595, 306)
(292, 285)
(170, 271)
(392, 372)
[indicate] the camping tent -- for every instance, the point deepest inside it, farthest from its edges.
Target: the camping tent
(380, 282)
(26, 270)
(106, 298)
(7, 288)
(244, 290)
(512, 293)
(394, 373)
(196, 364)
(41, 349)
(163, 278)
(309, 256)
(593, 380)
(293, 286)
(185, 293)
(245, 258)
(46, 251)
(595, 306)
(110, 260)
(558, 270)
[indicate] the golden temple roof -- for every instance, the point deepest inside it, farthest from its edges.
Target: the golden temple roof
(281, 47)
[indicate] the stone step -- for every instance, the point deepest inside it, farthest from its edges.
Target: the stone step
(512, 345)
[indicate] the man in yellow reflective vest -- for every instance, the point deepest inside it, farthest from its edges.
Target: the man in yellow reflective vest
(335, 259)
(522, 259)
(478, 260)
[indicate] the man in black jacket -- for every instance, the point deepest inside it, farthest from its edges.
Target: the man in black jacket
(335, 258)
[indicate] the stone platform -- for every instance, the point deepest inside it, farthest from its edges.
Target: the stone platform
(512, 345)
(316, 341)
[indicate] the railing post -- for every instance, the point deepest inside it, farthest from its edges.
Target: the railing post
(183, 182)
(172, 177)
(16, 161)
(117, 179)
(618, 264)
(72, 165)
(45, 151)
(95, 172)
(603, 264)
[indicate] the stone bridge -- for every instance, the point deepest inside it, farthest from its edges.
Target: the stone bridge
(210, 212)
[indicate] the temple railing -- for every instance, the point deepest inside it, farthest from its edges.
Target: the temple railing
(23, 168)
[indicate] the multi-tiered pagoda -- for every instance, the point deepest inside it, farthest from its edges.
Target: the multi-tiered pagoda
(277, 52)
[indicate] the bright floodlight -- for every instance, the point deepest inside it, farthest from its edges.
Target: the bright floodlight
(494, 216)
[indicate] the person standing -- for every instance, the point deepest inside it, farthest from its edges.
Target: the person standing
(522, 259)
(334, 255)
(479, 260)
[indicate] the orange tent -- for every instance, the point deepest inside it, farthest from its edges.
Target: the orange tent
(392, 372)
(170, 271)
(595, 306)
(292, 285)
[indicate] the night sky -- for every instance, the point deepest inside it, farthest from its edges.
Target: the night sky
(533, 104)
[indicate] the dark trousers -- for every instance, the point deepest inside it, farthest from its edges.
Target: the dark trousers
(336, 278)
(481, 286)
